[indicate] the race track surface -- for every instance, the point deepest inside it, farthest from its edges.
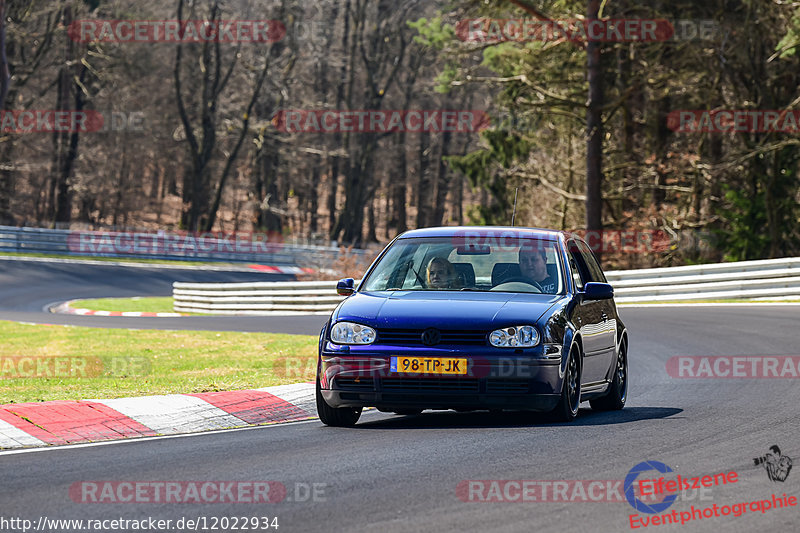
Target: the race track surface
(399, 474)
(29, 288)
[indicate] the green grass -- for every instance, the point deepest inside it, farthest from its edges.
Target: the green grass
(143, 305)
(113, 363)
(118, 259)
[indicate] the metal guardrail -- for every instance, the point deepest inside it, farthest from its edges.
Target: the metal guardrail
(166, 246)
(255, 298)
(771, 278)
(748, 279)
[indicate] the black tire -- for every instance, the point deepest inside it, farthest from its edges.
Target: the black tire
(618, 391)
(570, 401)
(340, 417)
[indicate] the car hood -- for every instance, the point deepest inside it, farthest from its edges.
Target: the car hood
(444, 310)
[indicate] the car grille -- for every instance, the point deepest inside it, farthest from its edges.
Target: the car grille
(348, 383)
(413, 337)
(507, 386)
(430, 384)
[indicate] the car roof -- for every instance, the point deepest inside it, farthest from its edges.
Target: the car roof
(486, 232)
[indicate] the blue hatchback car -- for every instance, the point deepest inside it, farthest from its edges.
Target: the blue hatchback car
(472, 318)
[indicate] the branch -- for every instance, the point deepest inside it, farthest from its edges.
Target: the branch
(554, 188)
(749, 155)
(179, 93)
(232, 157)
(521, 78)
(544, 18)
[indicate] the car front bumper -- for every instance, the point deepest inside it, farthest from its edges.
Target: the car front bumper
(525, 382)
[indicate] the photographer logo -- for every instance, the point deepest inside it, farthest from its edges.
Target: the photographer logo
(777, 466)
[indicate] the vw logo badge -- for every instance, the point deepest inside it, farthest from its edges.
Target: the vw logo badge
(431, 337)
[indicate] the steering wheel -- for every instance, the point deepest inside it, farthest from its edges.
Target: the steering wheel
(519, 279)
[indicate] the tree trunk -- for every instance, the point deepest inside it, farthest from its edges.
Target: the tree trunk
(65, 144)
(155, 180)
(6, 175)
(269, 193)
(398, 220)
(7, 184)
(458, 200)
(351, 221)
(442, 181)
(424, 186)
(313, 193)
(660, 140)
(333, 191)
(371, 233)
(594, 130)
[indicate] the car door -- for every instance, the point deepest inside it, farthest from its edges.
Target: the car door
(608, 326)
(588, 316)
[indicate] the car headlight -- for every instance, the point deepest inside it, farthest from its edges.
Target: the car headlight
(514, 337)
(352, 333)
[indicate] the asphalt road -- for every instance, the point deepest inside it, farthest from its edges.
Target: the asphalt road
(393, 473)
(29, 288)
(400, 474)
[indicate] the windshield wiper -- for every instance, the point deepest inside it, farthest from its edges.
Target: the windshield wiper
(411, 266)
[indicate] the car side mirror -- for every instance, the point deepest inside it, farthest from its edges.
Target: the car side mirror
(345, 287)
(598, 291)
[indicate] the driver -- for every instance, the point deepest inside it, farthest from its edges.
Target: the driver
(442, 274)
(533, 266)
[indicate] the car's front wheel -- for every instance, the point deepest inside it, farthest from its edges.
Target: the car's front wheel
(568, 404)
(344, 417)
(618, 390)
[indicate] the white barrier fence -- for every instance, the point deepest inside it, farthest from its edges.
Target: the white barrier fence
(255, 298)
(261, 248)
(768, 279)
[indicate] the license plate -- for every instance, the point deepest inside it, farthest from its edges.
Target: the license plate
(429, 365)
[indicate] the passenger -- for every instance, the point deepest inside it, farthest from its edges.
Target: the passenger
(442, 274)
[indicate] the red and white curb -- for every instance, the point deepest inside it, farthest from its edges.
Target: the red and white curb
(70, 422)
(67, 309)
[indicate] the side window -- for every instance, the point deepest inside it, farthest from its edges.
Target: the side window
(576, 275)
(577, 266)
(595, 271)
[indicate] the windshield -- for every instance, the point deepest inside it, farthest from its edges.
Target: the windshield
(443, 263)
